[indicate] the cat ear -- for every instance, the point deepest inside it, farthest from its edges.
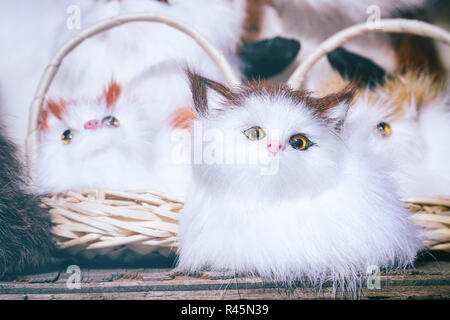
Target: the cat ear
(53, 113)
(111, 93)
(209, 95)
(57, 107)
(333, 108)
(355, 68)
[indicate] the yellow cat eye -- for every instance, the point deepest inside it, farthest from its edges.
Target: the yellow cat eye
(68, 135)
(383, 129)
(110, 121)
(255, 133)
(299, 142)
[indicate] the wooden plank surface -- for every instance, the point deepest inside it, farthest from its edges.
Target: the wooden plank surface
(429, 280)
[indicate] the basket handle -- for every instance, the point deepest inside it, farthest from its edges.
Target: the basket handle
(55, 63)
(388, 25)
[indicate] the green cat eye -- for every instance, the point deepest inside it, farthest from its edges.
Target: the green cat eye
(68, 135)
(255, 133)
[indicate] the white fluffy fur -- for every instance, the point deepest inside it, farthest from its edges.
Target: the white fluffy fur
(417, 148)
(327, 214)
(434, 124)
(313, 21)
(139, 154)
(126, 51)
(149, 59)
(123, 52)
(27, 33)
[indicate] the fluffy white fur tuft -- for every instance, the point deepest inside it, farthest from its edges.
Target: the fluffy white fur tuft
(416, 107)
(328, 212)
(133, 48)
(416, 148)
(141, 153)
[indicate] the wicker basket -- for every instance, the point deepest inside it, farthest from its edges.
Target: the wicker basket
(118, 225)
(113, 224)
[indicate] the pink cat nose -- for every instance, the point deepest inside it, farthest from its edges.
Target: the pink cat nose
(92, 125)
(275, 146)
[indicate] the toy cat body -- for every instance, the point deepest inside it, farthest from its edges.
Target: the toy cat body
(327, 213)
(413, 112)
(415, 148)
(108, 143)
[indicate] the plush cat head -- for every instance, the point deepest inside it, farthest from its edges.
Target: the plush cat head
(385, 112)
(401, 117)
(87, 143)
(267, 138)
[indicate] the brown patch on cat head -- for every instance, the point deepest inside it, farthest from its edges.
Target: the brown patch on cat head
(237, 96)
(417, 53)
(333, 83)
(57, 107)
(320, 106)
(254, 19)
(323, 105)
(112, 93)
(400, 92)
(199, 89)
(397, 94)
(414, 52)
(181, 118)
(267, 88)
(42, 123)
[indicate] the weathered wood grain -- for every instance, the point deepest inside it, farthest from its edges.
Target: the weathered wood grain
(430, 280)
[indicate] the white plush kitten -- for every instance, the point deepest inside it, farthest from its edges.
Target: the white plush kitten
(32, 33)
(434, 122)
(310, 206)
(108, 143)
(411, 137)
(403, 118)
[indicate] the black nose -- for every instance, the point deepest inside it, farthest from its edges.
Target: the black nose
(266, 58)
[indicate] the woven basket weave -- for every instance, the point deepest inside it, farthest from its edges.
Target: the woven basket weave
(118, 225)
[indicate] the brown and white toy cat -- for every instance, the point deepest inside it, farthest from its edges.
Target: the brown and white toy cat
(403, 117)
(324, 211)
